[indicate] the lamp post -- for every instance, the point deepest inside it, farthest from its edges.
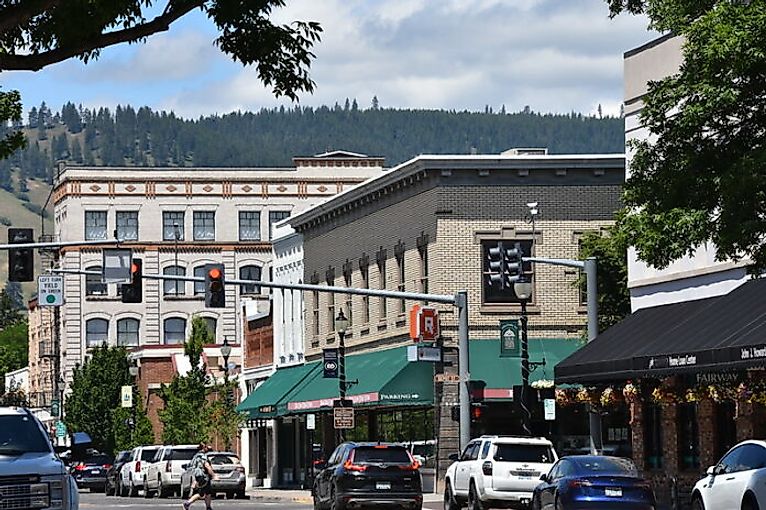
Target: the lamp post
(226, 352)
(523, 290)
(133, 370)
(341, 324)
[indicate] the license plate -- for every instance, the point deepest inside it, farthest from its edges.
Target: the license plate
(383, 486)
(95, 471)
(614, 493)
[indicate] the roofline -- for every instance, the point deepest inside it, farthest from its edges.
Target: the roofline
(648, 45)
(427, 161)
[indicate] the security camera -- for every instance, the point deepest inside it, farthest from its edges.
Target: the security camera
(532, 205)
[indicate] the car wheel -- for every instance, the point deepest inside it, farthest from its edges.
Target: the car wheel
(335, 502)
(535, 502)
(697, 503)
(317, 504)
(240, 495)
(474, 503)
(118, 489)
(161, 492)
(147, 493)
(749, 503)
(557, 503)
(449, 498)
(132, 491)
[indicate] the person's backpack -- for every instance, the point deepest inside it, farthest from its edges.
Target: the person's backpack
(198, 472)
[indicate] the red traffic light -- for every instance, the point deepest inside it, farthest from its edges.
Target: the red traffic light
(133, 268)
(215, 273)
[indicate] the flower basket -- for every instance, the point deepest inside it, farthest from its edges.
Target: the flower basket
(630, 393)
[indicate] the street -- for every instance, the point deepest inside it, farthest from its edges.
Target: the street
(98, 500)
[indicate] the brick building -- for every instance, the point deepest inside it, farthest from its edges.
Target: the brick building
(426, 226)
(42, 360)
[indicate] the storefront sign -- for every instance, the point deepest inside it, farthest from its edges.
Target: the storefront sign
(549, 406)
(672, 361)
(364, 398)
(510, 345)
(714, 378)
(399, 396)
(266, 409)
(424, 323)
(752, 352)
(424, 353)
(343, 418)
(330, 363)
(311, 422)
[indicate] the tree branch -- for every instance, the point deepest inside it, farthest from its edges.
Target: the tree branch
(36, 61)
(18, 14)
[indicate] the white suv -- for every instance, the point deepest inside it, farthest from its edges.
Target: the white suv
(163, 475)
(497, 471)
(133, 471)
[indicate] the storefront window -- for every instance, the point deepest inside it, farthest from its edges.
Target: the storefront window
(688, 435)
(653, 436)
(726, 428)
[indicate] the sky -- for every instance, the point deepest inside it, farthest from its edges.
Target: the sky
(551, 55)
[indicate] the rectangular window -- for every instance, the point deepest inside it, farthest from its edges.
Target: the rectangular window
(365, 273)
(315, 305)
(725, 428)
(276, 217)
(583, 285)
(127, 225)
(204, 225)
(173, 225)
(330, 307)
(249, 226)
(349, 300)
(688, 435)
(494, 292)
(174, 287)
(653, 436)
(401, 283)
(95, 225)
(423, 254)
(382, 303)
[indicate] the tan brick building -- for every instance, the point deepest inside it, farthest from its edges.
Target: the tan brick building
(425, 226)
(42, 360)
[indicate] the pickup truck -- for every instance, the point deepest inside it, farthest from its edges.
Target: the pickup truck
(32, 476)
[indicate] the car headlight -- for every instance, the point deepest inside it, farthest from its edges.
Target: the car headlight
(56, 487)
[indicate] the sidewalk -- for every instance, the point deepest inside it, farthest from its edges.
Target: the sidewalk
(304, 496)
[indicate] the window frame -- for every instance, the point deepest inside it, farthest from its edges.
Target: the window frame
(382, 282)
(101, 214)
(199, 287)
(276, 217)
(125, 321)
(90, 283)
(127, 217)
(256, 215)
(203, 225)
(401, 284)
(165, 322)
(90, 343)
(250, 290)
(176, 284)
(169, 235)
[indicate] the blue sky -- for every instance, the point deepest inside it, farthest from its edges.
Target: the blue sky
(553, 55)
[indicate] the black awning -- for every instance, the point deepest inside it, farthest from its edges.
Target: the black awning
(714, 334)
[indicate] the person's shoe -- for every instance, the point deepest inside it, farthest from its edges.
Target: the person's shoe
(186, 505)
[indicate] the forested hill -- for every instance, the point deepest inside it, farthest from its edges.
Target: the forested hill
(271, 137)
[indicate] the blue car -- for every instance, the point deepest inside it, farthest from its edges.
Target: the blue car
(593, 482)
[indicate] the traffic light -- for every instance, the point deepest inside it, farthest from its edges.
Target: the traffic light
(455, 413)
(133, 292)
(21, 262)
(477, 411)
(215, 295)
(504, 264)
(513, 263)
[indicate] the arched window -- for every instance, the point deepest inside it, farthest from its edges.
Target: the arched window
(250, 273)
(212, 325)
(127, 332)
(174, 331)
(199, 287)
(96, 332)
(93, 285)
(174, 287)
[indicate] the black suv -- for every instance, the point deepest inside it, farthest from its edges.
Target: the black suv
(369, 474)
(113, 473)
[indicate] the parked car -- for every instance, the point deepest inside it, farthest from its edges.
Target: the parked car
(423, 451)
(31, 474)
(163, 476)
(113, 473)
(497, 471)
(593, 481)
(231, 476)
(369, 474)
(132, 473)
(90, 473)
(737, 481)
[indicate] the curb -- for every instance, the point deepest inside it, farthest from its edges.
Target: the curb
(294, 499)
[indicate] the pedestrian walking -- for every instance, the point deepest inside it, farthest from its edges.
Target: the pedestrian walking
(202, 477)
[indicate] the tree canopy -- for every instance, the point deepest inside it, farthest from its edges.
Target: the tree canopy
(700, 177)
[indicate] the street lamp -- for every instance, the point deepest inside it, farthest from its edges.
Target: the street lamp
(523, 290)
(226, 352)
(341, 324)
(133, 371)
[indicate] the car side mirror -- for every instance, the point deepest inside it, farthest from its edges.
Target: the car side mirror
(184, 466)
(544, 478)
(320, 465)
(711, 471)
(454, 457)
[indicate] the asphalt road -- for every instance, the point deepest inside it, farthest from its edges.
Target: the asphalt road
(99, 501)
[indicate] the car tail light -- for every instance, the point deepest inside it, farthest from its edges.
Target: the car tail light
(168, 467)
(107, 466)
(350, 466)
(574, 484)
(138, 466)
(486, 468)
(241, 469)
(80, 467)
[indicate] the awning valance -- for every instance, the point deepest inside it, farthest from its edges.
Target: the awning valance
(715, 334)
(265, 400)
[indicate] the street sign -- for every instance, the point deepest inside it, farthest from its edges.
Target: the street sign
(343, 417)
(424, 323)
(549, 406)
(510, 345)
(447, 378)
(50, 290)
(126, 396)
(55, 408)
(311, 422)
(116, 266)
(424, 353)
(60, 429)
(330, 363)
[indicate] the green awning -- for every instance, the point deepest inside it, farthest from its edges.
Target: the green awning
(501, 374)
(385, 378)
(264, 401)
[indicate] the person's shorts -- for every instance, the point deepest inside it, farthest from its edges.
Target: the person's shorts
(205, 490)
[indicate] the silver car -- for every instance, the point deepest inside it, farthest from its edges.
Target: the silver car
(231, 476)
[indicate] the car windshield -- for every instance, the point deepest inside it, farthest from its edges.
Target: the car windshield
(182, 454)
(387, 454)
(19, 434)
(148, 454)
(606, 466)
(220, 460)
(524, 453)
(122, 457)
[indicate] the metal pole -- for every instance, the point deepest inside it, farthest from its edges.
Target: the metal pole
(461, 301)
(594, 418)
(526, 413)
(342, 376)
